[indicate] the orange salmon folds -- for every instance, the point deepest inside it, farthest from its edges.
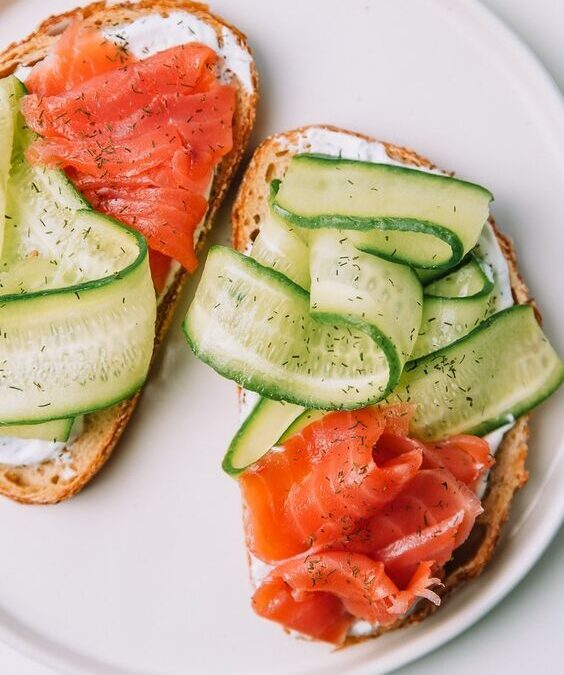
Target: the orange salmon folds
(140, 139)
(357, 519)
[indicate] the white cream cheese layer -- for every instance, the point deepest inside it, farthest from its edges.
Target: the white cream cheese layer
(22, 451)
(154, 33)
(25, 451)
(338, 144)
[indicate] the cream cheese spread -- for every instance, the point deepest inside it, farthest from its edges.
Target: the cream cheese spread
(154, 33)
(25, 451)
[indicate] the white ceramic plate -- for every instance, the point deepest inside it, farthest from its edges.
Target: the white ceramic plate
(144, 572)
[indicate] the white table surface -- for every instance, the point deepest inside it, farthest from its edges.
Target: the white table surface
(524, 633)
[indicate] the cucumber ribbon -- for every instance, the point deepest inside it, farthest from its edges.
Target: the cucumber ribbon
(329, 312)
(453, 306)
(342, 345)
(426, 220)
(77, 305)
(360, 316)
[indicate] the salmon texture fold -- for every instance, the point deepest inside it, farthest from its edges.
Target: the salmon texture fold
(357, 519)
(140, 139)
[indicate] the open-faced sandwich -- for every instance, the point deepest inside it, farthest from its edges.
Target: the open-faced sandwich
(131, 114)
(388, 354)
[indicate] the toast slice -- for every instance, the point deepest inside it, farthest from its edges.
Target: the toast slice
(53, 481)
(269, 162)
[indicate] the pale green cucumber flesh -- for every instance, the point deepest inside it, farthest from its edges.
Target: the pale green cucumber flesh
(430, 220)
(280, 247)
(409, 242)
(9, 89)
(499, 371)
(77, 308)
(472, 373)
(301, 422)
(253, 325)
(55, 431)
(452, 307)
(366, 290)
(259, 432)
(469, 280)
(427, 275)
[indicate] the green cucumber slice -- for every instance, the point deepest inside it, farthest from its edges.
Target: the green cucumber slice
(497, 372)
(253, 325)
(9, 89)
(77, 309)
(449, 387)
(270, 423)
(56, 430)
(426, 276)
(381, 297)
(77, 349)
(406, 215)
(258, 433)
(468, 281)
(453, 306)
(301, 422)
(280, 247)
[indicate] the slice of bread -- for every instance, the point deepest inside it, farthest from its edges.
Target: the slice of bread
(53, 481)
(270, 161)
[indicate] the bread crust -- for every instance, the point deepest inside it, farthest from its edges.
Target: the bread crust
(51, 482)
(270, 161)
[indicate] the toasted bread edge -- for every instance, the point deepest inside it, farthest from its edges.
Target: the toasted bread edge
(270, 161)
(53, 481)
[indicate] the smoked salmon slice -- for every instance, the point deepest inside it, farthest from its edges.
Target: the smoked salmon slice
(119, 95)
(140, 139)
(79, 54)
(426, 522)
(317, 488)
(357, 582)
(466, 457)
(357, 519)
(160, 268)
(320, 616)
(200, 123)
